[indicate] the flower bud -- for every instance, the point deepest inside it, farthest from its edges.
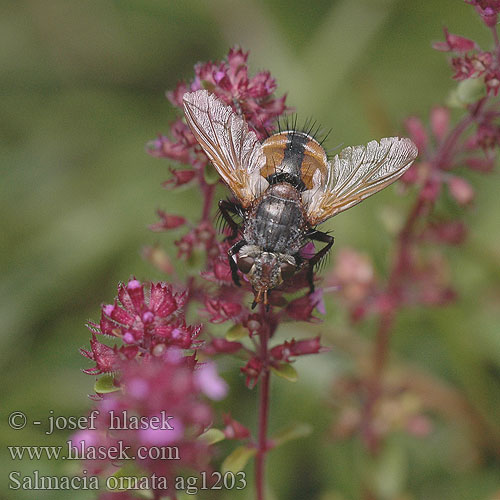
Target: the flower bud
(461, 190)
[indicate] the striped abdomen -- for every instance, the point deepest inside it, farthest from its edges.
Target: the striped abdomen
(293, 157)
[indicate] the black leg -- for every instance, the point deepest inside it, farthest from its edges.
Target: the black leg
(226, 208)
(323, 238)
(234, 268)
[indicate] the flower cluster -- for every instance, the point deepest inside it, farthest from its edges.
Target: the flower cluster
(160, 406)
(398, 409)
(258, 325)
(151, 377)
(488, 10)
(229, 80)
(148, 319)
(470, 61)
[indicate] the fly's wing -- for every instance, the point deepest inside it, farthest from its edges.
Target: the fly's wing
(234, 150)
(356, 173)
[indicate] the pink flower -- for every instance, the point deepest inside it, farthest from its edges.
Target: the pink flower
(152, 435)
(234, 429)
(417, 132)
(209, 382)
(354, 274)
(302, 309)
(293, 348)
(488, 10)
(230, 81)
(167, 221)
(219, 271)
(166, 396)
(492, 82)
(461, 190)
(149, 322)
(179, 178)
(105, 357)
(487, 137)
(455, 43)
(220, 345)
(201, 237)
(223, 309)
(252, 370)
(440, 122)
(463, 68)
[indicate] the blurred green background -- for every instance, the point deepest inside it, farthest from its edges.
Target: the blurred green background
(82, 91)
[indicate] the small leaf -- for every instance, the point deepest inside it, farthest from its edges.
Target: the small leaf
(212, 436)
(129, 471)
(237, 460)
(105, 384)
(294, 431)
(182, 495)
(236, 332)
(467, 92)
(471, 90)
(207, 85)
(286, 371)
(196, 259)
(390, 471)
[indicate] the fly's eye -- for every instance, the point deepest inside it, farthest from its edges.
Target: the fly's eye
(287, 270)
(245, 264)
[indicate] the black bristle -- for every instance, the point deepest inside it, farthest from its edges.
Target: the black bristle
(325, 137)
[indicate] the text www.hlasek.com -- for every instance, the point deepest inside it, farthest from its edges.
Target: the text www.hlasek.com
(80, 451)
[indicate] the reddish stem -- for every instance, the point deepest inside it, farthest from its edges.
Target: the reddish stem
(495, 36)
(263, 415)
(207, 191)
(402, 263)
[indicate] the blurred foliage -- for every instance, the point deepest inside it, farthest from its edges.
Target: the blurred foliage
(82, 87)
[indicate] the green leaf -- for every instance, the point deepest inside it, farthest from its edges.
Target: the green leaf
(196, 259)
(182, 495)
(286, 371)
(390, 471)
(293, 431)
(208, 85)
(131, 471)
(236, 332)
(237, 460)
(106, 384)
(467, 92)
(212, 436)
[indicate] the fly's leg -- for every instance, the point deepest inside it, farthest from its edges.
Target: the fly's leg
(323, 238)
(232, 264)
(226, 208)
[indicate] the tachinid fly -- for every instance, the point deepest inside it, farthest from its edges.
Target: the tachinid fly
(284, 187)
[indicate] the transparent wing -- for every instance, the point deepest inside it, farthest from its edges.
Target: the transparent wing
(234, 150)
(356, 173)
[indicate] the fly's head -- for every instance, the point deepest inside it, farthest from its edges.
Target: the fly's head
(265, 270)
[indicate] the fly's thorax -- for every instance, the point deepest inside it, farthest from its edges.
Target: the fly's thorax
(265, 270)
(276, 222)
